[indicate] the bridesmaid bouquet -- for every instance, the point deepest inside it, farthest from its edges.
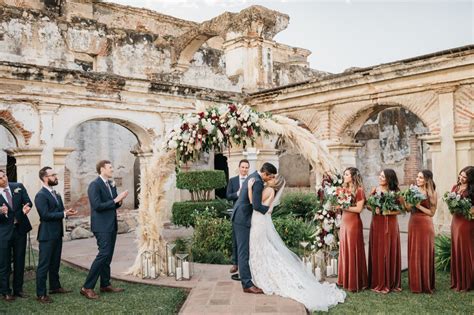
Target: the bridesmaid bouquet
(343, 198)
(386, 202)
(458, 205)
(413, 195)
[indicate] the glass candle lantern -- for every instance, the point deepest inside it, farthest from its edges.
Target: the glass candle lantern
(150, 264)
(183, 266)
(170, 260)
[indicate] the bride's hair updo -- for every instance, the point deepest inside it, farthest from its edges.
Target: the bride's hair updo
(277, 183)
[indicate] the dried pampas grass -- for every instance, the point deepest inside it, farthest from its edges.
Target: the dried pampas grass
(152, 202)
(301, 139)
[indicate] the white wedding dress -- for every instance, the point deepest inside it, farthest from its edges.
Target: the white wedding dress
(277, 270)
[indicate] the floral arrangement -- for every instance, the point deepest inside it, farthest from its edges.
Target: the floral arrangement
(385, 201)
(214, 129)
(413, 195)
(327, 221)
(458, 205)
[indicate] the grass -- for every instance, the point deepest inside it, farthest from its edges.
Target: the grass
(442, 301)
(137, 298)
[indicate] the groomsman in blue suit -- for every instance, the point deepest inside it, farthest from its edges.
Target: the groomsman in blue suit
(14, 227)
(50, 235)
(233, 191)
(104, 202)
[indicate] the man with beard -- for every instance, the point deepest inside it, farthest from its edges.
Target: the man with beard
(50, 235)
(14, 227)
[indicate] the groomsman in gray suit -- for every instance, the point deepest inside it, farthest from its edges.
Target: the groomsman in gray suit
(233, 191)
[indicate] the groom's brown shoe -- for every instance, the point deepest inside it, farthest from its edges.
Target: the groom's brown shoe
(89, 293)
(234, 269)
(253, 290)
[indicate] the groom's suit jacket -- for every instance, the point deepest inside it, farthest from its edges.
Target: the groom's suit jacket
(243, 209)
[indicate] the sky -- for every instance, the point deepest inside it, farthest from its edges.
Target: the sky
(350, 33)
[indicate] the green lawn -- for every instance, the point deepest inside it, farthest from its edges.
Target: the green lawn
(137, 299)
(443, 301)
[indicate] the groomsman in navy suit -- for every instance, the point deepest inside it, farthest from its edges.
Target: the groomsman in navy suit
(50, 235)
(14, 227)
(233, 192)
(104, 202)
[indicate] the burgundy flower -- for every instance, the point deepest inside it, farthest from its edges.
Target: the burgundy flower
(232, 108)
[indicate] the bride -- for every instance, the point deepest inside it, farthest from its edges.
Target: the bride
(276, 269)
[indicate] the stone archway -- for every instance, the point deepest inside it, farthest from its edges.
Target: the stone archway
(7, 161)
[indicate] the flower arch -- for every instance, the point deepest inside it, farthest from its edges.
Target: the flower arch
(212, 129)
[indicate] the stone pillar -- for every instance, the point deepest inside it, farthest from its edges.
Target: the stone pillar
(345, 153)
(47, 112)
(464, 149)
(251, 154)
(252, 58)
(28, 164)
(444, 172)
(60, 155)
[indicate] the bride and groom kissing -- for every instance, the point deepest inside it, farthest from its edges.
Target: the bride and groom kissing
(264, 262)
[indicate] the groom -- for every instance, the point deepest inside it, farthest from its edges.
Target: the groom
(241, 218)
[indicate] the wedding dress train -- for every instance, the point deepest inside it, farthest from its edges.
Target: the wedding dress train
(277, 270)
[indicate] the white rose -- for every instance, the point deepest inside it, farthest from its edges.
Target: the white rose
(320, 244)
(236, 136)
(325, 212)
(186, 136)
(172, 144)
(194, 120)
(329, 239)
(327, 226)
(199, 136)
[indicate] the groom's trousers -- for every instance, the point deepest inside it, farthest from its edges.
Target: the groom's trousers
(101, 265)
(242, 236)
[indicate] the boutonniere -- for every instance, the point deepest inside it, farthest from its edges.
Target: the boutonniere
(17, 190)
(112, 183)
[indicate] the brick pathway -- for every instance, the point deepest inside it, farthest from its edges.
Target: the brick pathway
(212, 290)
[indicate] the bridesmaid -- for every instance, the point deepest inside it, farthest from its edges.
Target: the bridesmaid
(421, 272)
(462, 236)
(352, 269)
(385, 264)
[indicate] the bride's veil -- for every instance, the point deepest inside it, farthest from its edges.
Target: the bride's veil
(276, 201)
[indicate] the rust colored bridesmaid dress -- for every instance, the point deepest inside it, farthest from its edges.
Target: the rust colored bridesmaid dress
(421, 271)
(352, 269)
(462, 251)
(385, 263)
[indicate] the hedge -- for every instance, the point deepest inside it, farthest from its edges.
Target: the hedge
(200, 181)
(183, 212)
(300, 204)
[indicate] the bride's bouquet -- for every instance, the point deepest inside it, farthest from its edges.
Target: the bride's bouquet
(413, 195)
(385, 201)
(458, 205)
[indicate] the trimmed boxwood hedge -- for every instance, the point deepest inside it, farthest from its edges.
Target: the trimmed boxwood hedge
(204, 180)
(183, 212)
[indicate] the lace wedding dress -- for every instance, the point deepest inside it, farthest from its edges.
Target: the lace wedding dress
(277, 270)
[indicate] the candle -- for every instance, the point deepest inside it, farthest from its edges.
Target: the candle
(186, 270)
(317, 273)
(170, 265)
(145, 272)
(329, 271)
(334, 265)
(178, 273)
(153, 272)
(309, 267)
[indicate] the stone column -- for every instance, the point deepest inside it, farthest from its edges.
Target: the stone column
(464, 149)
(28, 164)
(60, 155)
(252, 58)
(345, 153)
(234, 155)
(47, 112)
(444, 172)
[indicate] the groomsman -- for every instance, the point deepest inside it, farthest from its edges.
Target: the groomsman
(233, 192)
(14, 227)
(104, 202)
(50, 235)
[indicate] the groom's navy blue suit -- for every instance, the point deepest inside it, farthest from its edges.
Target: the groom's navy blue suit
(50, 237)
(104, 227)
(241, 220)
